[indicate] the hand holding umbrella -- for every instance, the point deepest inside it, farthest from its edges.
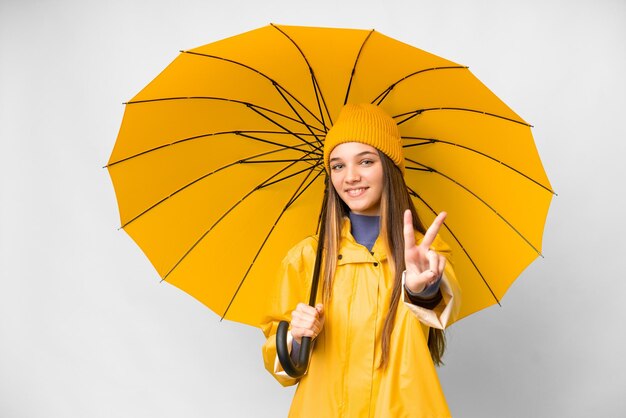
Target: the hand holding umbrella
(307, 321)
(423, 265)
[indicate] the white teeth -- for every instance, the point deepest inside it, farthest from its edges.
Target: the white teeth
(356, 192)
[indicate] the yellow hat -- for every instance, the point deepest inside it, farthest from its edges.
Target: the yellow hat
(368, 124)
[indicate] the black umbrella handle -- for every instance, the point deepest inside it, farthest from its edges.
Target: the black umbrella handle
(292, 369)
(298, 369)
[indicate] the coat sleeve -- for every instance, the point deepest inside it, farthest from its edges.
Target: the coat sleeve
(292, 286)
(446, 312)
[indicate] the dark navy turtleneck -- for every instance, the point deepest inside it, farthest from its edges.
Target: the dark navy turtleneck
(364, 229)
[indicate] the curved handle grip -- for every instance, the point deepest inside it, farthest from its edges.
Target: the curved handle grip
(293, 370)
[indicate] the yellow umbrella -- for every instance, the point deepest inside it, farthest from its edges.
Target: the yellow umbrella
(218, 164)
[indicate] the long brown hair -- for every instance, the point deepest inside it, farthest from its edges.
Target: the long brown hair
(395, 200)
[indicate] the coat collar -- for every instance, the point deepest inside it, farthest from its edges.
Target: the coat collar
(351, 251)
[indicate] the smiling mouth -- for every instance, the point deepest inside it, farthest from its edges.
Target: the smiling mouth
(356, 192)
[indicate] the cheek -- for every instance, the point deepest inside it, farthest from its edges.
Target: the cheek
(377, 179)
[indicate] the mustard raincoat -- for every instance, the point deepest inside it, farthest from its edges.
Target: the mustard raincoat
(343, 379)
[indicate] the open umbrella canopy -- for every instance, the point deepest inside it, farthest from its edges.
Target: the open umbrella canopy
(218, 166)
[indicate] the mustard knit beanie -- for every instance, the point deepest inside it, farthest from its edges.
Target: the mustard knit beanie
(368, 124)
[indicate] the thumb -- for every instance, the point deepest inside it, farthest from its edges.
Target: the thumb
(320, 308)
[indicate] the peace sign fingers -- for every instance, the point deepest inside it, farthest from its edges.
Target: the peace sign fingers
(433, 230)
(429, 236)
(423, 265)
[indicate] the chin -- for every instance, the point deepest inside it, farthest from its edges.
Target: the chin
(365, 211)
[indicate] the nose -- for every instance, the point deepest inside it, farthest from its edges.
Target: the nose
(352, 173)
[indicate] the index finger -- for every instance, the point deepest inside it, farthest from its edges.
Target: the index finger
(306, 308)
(409, 232)
(433, 230)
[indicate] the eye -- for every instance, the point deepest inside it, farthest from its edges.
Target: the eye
(367, 162)
(336, 166)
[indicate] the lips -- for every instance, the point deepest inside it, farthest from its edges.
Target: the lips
(356, 192)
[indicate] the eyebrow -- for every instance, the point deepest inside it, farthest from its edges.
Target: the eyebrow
(360, 154)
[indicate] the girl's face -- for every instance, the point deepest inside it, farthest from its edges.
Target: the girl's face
(357, 175)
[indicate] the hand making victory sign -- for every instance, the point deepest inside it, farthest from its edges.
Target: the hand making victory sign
(423, 265)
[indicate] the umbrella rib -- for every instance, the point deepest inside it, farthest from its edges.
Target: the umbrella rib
(296, 148)
(477, 197)
(195, 181)
(281, 161)
(296, 194)
(356, 60)
(412, 114)
(290, 175)
(316, 87)
(383, 95)
(425, 141)
(247, 104)
(274, 82)
(469, 257)
(280, 91)
(409, 117)
(239, 133)
(439, 141)
(319, 173)
(316, 147)
(259, 186)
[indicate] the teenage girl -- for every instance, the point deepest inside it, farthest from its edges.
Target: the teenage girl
(388, 289)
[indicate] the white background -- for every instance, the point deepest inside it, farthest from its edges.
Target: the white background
(86, 330)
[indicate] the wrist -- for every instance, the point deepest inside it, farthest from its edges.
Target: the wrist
(415, 290)
(426, 291)
(412, 287)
